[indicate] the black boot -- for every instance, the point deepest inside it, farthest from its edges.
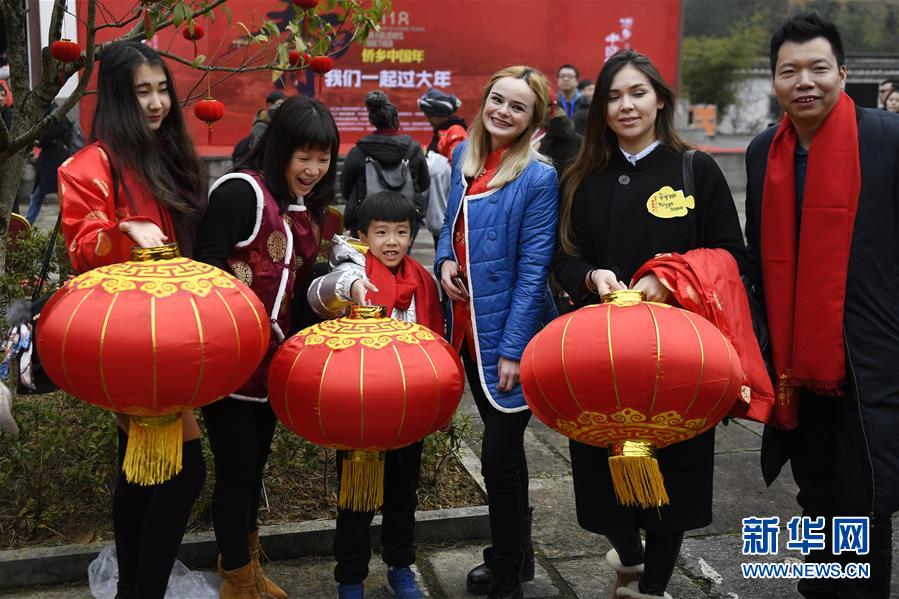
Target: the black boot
(506, 583)
(480, 577)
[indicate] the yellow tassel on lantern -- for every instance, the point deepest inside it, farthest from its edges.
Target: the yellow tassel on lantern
(154, 449)
(636, 475)
(362, 481)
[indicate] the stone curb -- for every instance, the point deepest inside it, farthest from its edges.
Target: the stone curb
(68, 563)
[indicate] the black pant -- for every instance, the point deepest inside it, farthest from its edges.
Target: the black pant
(504, 466)
(150, 522)
(658, 559)
(352, 545)
(830, 464)
(240, 434)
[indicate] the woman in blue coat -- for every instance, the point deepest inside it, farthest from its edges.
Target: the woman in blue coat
(493, 259)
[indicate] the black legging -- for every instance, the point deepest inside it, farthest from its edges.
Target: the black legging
(658, 559)
(504, 466)
(150, 523)
(240, 434)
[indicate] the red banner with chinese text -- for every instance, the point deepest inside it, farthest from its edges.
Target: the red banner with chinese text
(454, 45)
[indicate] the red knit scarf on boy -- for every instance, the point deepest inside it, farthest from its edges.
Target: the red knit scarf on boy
(396, 290)
(805, 279)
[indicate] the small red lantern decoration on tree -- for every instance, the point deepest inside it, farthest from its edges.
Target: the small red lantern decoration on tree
(193, 32)
(631, 376)
(294, 57)
(321, 65)
(150, 338)
(64, 51)
(366, 384)
(209, 110)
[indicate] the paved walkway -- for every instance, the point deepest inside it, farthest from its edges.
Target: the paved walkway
(570, 562)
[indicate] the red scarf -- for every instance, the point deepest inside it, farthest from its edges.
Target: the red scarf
(805, 290)
(396, 290)
(707, 282)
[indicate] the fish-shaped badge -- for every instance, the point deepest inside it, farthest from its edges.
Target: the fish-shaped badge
(668, 203)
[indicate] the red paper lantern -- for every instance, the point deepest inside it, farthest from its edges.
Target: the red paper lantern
(150, 339)
(631, 376)
(365, 383)
(209, 111)
(192, 33)
(294, 57)
(65, 51)
(321, 65)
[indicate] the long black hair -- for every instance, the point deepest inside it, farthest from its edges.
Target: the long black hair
(299, 123)
(174, 173)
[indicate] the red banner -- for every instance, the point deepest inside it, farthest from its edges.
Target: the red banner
(454, 45)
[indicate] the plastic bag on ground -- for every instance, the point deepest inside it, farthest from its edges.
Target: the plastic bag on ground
(103, 577)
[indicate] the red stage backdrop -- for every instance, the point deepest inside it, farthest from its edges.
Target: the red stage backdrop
(454, 45)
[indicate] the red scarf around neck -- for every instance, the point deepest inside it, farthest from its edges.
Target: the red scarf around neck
(396, 290)
(805, 278)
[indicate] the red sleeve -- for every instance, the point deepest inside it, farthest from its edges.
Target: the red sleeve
(89, 219)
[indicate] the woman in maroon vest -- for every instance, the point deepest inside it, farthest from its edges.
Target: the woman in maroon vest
(263, 226)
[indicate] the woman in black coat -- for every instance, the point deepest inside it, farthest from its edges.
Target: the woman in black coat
(54, 151)
(631, 151)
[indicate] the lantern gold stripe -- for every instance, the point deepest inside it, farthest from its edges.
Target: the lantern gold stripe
(287, 381)
(439, 387)
(236, 334)
(537, 381)
(701, 364)
(612, 356)
(361, 398)
(193, 305)
(730, 371)
(403, 376)
(65, 336)
(153, 348)
(256, 315)
(655, 385)
(102, 342)
(321, 384)
(564, 371)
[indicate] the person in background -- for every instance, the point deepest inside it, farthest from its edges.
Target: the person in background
(891, 103)
(388, 148)
(822, 221)
(264, 116)
(585, 87)
(493, 259)
(560, 142)
(886, 86)
(263, 225)
(54, 150)
(567, 78)
(5, 110)
(138, 183)
(449, 130)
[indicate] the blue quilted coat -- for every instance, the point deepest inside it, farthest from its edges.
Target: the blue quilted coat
(510, 234)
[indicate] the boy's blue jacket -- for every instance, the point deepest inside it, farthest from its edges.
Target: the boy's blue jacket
(510, 234)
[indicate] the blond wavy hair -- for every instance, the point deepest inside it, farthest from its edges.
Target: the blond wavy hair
(521, 153)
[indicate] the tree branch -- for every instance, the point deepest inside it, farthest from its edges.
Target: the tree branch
(56, 17)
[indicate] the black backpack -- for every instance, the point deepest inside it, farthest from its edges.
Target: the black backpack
(394, 178)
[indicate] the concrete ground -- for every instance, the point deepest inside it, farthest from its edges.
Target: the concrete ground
(570, 562)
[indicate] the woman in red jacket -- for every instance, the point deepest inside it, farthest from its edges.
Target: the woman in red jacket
(140, 183)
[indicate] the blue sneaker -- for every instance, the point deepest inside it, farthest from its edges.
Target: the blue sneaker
(350, 591)
(401, 582)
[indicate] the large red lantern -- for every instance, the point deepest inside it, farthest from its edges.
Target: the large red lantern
(209, 110)
(631, 376)
(150, 338)
(366, 384)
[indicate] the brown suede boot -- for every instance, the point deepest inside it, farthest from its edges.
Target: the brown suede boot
(266, 584)
(240, 583)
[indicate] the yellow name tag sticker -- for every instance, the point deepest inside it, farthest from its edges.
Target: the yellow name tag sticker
(668, 203)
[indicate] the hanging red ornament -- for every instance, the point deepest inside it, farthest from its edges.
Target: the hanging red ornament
(64, 51)
(209, 110)
(321, 65)
(192, 33)
(294, 57)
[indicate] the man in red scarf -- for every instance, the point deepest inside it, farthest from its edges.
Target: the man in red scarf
(822, 228)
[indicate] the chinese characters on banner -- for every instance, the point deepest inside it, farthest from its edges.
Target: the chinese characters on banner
(454, 45)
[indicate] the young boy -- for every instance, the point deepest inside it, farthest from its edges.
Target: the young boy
(383, 275)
